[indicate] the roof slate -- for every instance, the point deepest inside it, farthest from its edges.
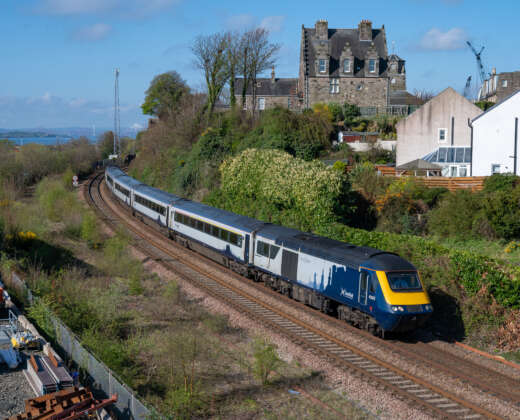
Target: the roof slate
(280, 87)
(337, 40)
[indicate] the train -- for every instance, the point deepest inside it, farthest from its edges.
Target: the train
(374, 290)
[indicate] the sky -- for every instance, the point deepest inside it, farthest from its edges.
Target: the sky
(58, 56)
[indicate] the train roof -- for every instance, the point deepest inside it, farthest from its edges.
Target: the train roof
(222, 216)
(333, 250)
(156, 194)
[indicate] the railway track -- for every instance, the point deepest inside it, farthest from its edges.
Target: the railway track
(419, 392)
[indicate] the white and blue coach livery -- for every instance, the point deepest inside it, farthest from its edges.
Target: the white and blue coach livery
(372, 289)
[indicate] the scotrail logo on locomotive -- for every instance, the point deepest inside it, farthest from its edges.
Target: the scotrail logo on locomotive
(346, 294)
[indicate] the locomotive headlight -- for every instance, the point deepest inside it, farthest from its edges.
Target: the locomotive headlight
(428, 307)
(397, 308)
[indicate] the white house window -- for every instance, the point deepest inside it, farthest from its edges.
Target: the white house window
(346, 65)
(334, 86)
(261, 104)
(443, 134)
(495, 168)
(463, 171)
(323, 66)
(372, 66)
(504, 83)
(393, 81)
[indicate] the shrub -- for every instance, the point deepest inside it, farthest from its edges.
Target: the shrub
(350, 113)
(337, 111)
(500, 182)
(455, 214)
(271, 185)
(90, 231)
(265, 360)
(502, 210)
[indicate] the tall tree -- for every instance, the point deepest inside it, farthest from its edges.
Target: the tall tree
(210, 56)
(260, 56)
(234, 51)
(164, 94)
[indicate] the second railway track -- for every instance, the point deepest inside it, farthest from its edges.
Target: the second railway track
(419, 392)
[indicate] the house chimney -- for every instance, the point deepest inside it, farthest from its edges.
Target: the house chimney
(365, 30)
(273, 79)
(322, 29)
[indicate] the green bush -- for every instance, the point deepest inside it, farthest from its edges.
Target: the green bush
(500, 182)
(274, 186)
(455, 215)
(337, 111)
(502, 210)
(266, 360)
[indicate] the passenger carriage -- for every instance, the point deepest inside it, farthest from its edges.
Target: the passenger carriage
(153, 203)
(228, 234)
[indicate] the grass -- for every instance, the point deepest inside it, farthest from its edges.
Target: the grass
(495, 249)
(182, 359)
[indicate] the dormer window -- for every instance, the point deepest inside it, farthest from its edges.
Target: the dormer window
(393, 67)
(372, 66)
(346, 65)
(323, 66)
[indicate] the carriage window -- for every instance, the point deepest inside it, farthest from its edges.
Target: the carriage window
(363, 283)
(273, 251)
(215, 231)
(200, 225)
(207, 228)
(262, 249)
(122, 190)
(372, 285)
(224, 234)
(404, 281)
(233, 238)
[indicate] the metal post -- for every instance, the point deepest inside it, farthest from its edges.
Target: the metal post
(516, 144)
(452, 129)
(471, 159)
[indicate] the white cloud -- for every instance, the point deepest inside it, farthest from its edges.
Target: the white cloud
(273, 23)
(74, 7)
(436, 40)
(124, 8)
(95, 32)
(238, 22)
(137, 126)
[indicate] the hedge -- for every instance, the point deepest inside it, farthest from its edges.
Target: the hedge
(472, 271)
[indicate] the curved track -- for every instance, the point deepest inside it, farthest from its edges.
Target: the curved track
(419, 392)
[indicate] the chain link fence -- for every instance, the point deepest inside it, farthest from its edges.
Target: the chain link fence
(99, 378)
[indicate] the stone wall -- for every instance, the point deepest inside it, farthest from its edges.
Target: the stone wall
(354, 90)
(513, 85)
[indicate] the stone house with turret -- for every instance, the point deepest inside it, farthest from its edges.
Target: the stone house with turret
(339, 65)
(350, 65)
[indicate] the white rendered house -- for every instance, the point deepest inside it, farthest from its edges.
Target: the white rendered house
(496, 137)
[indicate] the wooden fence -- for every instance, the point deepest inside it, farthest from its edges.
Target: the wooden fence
(472, 183)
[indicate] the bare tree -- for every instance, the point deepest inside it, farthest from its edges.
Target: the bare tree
(210, 56)
(257, 55)
(261, 57)
(233, 51)
(423, 95)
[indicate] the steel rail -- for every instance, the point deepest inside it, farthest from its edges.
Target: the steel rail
(440, 402)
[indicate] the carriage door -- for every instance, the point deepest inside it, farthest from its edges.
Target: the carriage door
(364, 280)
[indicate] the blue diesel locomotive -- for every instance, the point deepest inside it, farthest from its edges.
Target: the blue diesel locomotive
(372, 289)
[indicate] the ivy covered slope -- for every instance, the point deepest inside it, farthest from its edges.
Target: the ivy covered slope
(474, 295)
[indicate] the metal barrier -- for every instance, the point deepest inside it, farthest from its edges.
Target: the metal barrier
(102, 381)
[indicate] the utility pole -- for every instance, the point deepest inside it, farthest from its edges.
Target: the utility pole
(117, 123)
